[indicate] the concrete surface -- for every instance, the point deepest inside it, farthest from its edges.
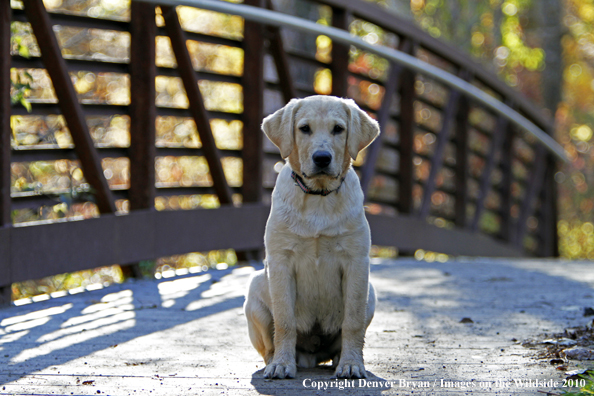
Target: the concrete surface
(187, 335)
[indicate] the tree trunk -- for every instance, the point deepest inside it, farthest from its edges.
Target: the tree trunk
(550, 15)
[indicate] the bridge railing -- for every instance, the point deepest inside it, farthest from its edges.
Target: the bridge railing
(451, 173)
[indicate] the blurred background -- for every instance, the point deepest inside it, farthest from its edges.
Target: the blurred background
(542, 48)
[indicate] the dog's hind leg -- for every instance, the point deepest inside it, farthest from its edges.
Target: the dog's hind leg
(259, 318)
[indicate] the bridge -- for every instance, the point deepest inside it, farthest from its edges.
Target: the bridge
(464, 167)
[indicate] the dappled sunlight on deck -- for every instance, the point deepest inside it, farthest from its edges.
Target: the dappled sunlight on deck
(186, 334)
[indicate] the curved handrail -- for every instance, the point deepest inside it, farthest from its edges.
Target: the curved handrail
(282, 20)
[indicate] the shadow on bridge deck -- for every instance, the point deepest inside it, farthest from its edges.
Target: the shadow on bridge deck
(187, 335)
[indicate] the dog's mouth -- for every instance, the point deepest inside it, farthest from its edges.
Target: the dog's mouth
(319, 173)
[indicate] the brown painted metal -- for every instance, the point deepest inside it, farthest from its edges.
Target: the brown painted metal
(68, 103)
(281, 61)
(462, 163)
(505, 191)
(140, 235)
(447, 119)
(188, 76)
(548, 233)
(147, 234)
(406, 132)
(485, 183)
(535, 184)
(410, 233)
(383, 116)
(142, 151)
(253, 108)
(339, 67)
(142, 107)
(5, 131)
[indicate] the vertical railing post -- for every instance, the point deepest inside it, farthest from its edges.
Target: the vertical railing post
(253, 108)
(281, 61)
(406, 130)
(548, 245)
(533, 189)
(142, 106)
(485, 183)
(5, 202)
(461, 170)
(253, 112)
(505, 191)
(142, 149)
(340, 54)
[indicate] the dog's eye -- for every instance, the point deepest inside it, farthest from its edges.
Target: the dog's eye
(337, 129)
(305, 129)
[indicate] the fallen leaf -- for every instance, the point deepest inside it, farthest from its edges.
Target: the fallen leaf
(88, 382)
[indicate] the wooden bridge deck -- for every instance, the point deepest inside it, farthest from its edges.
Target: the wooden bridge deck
(187, 335)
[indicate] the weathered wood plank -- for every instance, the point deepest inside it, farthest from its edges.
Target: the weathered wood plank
(5, 131)
(69, 104)
(190, 81)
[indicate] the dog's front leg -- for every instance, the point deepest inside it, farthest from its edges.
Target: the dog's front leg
(355, 285)
(282, 292)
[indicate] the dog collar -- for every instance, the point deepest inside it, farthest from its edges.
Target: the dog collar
(299, 182)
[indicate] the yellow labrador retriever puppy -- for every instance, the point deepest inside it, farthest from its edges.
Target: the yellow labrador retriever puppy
(313, 301)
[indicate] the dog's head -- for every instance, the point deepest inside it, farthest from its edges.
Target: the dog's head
(320, 135)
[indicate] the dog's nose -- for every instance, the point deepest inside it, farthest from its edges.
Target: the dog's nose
(322, 158)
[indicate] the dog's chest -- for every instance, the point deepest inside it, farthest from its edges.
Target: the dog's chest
(318, 280)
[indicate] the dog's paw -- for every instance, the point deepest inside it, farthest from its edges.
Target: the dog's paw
(350, 369)
(280, 370)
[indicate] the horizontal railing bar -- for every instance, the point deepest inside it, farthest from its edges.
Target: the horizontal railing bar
(190, 190)
(203, 38)
(30, 154)
(282, 20)
(76, 21)
(82, 21)
(112, 110)
(75, 65)
(306, 58)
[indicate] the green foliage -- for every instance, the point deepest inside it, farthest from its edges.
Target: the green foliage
(586, 390)
(22, 86)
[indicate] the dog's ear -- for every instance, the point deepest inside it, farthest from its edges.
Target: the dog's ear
(362, 129)
(279, 127)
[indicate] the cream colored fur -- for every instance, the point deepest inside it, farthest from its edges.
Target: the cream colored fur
(313, 301)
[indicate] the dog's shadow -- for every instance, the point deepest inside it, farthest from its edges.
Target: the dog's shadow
(319, 379)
